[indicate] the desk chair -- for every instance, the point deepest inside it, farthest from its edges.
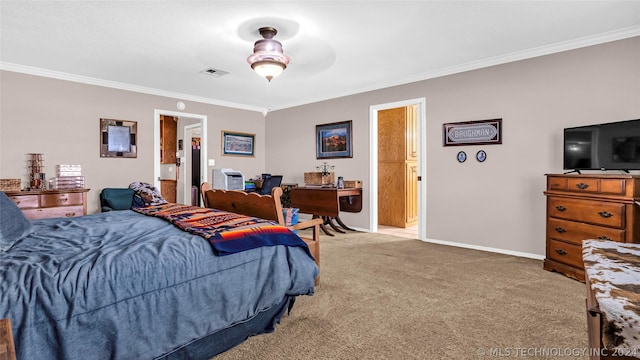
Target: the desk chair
(203, 189)
(269, 182)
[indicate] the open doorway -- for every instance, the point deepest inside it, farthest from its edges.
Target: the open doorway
(188, 126)
(191, 170)
(404, 171)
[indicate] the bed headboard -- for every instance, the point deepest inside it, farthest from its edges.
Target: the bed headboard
(251, 204)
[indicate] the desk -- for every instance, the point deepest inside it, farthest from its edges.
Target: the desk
(326, 203)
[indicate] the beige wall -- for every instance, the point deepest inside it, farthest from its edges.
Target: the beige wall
(499, 203)
(61, 120)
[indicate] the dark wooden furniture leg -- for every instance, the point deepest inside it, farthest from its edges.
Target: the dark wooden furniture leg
(342, 224)
(334, 226)
(324, 228)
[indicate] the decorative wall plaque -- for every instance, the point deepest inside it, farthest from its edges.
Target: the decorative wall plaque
(481, 132)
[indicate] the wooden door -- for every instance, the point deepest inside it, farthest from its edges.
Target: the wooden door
(168, 139)
(397, 167)
(411, 133)
(412, 194)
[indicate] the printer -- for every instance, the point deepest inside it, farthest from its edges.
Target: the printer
(227, 179)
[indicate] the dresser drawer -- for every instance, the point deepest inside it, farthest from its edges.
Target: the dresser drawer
(54, 212)
(63, 199)
(589, 211)
(570, 254)
(583, 185)
(575, 232)
(556, 183)
(613, 186)
(25, 201)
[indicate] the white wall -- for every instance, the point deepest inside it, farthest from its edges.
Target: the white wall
(61, 119)
(498, 203)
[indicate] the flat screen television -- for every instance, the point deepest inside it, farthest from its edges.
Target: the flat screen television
(608, 146)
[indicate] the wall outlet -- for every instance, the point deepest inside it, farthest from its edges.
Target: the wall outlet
(211, 162)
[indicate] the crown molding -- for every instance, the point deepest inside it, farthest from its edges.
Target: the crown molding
(578, 43)
(497, 60)
(121, 86)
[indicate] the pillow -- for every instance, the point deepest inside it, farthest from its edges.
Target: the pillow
(118, 199)
(13, 224)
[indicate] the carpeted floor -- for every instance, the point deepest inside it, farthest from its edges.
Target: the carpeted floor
(384, 297)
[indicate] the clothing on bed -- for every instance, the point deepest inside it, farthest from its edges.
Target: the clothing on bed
(122, 285)
(227, 232)
(146, 194)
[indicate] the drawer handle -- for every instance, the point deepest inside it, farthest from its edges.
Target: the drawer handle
(561, 252)
(561, 230)
(605, 214)
(70, 214)
(582, 186)
(603, 238)
(561, 208)
(61, 200)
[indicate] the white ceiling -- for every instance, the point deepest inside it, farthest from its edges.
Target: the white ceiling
(337, 47)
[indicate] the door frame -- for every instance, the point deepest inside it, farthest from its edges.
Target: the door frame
(156, 142)
(422, 155)
(186, 171)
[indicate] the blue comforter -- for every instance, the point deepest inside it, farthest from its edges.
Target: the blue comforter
(128, 286)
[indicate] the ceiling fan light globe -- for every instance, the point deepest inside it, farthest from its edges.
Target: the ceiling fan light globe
(268, 69)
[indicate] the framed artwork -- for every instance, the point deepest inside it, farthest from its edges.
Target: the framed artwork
(236, 143)
(333, 140)
(118, 138)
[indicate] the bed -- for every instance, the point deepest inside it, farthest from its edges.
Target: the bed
(125, 285)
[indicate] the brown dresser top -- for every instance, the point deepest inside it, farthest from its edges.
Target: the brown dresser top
(44, 192)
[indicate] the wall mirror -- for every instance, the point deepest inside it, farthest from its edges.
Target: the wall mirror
(118, 138)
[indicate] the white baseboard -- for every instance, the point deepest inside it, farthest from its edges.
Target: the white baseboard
(486, 248)
(474, 247)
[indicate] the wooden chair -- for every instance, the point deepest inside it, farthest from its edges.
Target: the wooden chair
(203, 188)
(266, 207)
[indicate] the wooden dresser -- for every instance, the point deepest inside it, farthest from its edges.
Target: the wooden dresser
(581, 207)
(43, 204)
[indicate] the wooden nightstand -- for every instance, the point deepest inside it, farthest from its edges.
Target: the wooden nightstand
(7, 350)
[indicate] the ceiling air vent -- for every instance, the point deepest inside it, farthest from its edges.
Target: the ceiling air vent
(214, 72)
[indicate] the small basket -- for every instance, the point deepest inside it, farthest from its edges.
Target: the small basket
(316, 178)
(10, 184)
(353, 184)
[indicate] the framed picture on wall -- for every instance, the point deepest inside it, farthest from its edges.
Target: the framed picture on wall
(118, 138)
(236, 143)
(333, 140)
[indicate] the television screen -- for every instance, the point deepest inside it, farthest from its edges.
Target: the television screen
(609, 146)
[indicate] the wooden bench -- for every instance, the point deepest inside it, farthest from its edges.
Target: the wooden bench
(266, 207)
